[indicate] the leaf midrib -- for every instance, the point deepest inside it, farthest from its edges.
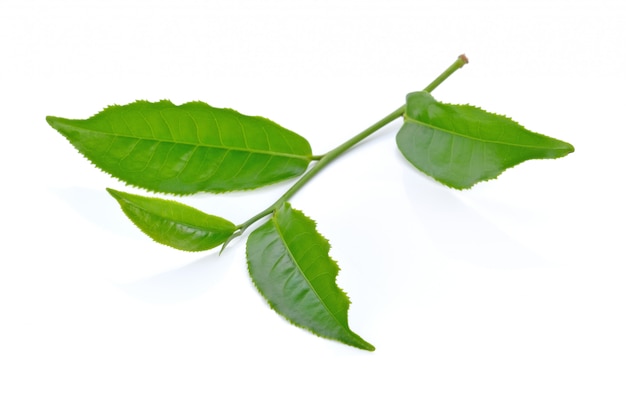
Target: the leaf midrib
(187, 224)
(149, 211)
(453, 133)
(172, 141)
(292, 257)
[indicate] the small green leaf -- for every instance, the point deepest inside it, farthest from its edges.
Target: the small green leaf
(460, 145)
(174, 224)
(289, 263)
(188, 148)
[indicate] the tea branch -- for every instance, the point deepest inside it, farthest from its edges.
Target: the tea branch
(324, 160)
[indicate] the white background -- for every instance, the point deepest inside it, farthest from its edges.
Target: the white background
(514, 289)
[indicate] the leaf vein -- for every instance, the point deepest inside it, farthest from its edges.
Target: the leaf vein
(295, 261)
(461, 135)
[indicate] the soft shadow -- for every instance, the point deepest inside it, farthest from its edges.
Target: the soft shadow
(96, 206)
(461, 232)
(182, 284)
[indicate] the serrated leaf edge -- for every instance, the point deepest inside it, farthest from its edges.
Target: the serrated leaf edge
(366, 345)
(53, 120)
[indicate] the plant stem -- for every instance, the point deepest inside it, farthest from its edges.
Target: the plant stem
(321, 164)
(458, 64)
(327, 158)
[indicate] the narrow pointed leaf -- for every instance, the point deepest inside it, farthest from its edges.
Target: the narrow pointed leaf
(460, 145)
(174, 224)
(188, 148)
(289, 263)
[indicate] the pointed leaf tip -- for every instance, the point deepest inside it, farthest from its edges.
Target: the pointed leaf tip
(53, 121)
(289, 263)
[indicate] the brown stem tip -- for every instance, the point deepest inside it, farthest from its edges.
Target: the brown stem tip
(464, 58)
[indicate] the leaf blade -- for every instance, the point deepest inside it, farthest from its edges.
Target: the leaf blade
(461, 145)
(187, 148)
(289, 264)
(174, 224)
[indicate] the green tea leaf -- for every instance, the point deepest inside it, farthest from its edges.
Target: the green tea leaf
(174, 224)
(460, 145)
(188, 148)
(289, 263)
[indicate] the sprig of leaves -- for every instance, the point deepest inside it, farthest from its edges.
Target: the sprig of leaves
(195, 148)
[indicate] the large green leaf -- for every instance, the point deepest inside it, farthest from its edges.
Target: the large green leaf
(174, 224)
(289, 263)
(460, 145)
(188, 148)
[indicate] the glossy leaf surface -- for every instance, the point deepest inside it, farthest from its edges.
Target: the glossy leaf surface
(290, 265)
(188, 148)
(460, 145)
(174, 224)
